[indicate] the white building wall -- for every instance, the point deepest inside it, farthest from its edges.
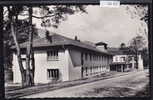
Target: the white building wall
(140, 63)
(118, 58)
(65, 65)
(68, 63)
(41, 66)
(16, 70)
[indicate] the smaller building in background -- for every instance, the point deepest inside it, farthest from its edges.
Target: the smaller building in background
(125, 60)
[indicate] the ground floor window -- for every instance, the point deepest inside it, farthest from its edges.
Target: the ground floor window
(52, 73)
(91, 70)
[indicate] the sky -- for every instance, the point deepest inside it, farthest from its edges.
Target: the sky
(110, 25)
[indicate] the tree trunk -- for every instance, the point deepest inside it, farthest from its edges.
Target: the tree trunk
(32, 50)
(30, 54)
(17, 47)
(33, 66)
(136, 59)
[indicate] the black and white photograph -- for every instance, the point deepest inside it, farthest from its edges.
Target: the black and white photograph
(56, 51)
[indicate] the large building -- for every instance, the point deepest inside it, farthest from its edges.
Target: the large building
(58, 58)
(125, 60)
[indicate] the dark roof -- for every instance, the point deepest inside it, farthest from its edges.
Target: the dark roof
(100, 43)
(58, 40)
(120, 51)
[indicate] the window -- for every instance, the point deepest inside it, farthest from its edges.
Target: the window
(90, 57)
(52, 55)
(130, 58)
(94, 57)
(52, 73)
(102, 58)
(91, 69)
(86, 71)
(123, 58)
(116, 59)
(86, 56)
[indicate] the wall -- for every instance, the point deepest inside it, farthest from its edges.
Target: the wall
(74, 61)
(42, 65)
(104, 60)
(75, 56)
(69, 65)
(118, 58)
(140, 63)
(95, 63)
(16, 70)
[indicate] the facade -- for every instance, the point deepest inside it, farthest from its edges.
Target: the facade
(58, 58)
(123, 60)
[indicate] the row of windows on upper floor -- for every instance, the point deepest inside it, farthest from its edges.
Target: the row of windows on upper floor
(53, 55)
(123, 58)
(120, 59)
(95, 57)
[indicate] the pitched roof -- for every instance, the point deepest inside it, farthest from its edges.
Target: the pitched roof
(58, 40)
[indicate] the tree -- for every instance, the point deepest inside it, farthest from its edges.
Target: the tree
(55, 14)
(136, 45)
(22, 36)
(145, 57)
(140, 12)
(13, 17)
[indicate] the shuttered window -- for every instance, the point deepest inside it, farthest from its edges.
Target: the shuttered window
(52, 73)
(52, 55)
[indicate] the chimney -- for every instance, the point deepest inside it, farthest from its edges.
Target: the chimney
(48, 37)
(47, 34)
(101, 46)
(76, 38)
(105, 46)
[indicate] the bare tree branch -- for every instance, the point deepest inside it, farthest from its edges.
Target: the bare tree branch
(38, 17)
